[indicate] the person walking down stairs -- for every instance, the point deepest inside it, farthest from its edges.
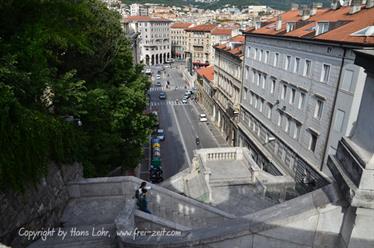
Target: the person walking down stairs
(143, 202)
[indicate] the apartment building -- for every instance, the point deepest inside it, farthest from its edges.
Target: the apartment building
(301, 89)
(199, 42)
(218, 36)
(138, 10)
(152, 40)
(205, 89)
(227, 81)
(178, 37)
(202, 38)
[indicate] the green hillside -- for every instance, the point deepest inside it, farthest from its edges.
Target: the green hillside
(277, 4)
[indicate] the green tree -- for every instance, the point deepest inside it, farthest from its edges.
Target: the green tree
(67, 60)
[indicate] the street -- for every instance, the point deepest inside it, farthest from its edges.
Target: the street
(180, 122)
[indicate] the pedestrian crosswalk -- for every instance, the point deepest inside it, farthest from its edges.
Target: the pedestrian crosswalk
(158, 89)
(162, 102)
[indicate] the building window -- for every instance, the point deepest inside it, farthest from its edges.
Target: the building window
(301, 100)
(288, 62)
(296, 131)
(347, 80)
(290, 26)
(267, 56)
(258, 79)
(339, 120)
(279, 119)
(297, 65)
(256, 100)
(318, 109)
(261, 102)
(322, 27)
(245, 94)
(255, 54)
(263, 81)
(325, 73)
(276, 59)
(287, 125)
(251, 98)
(269, 111)
(272, 86)
(292, 96)
(248, 52)
(312, 141)
(307, 68)
(284, 91)
(261, 55)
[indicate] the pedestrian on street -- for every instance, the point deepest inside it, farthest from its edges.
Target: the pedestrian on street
(143, 203)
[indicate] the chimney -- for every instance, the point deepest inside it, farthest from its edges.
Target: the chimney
(369, 4)
(356, 6)
(279, 23)
(335, 4)
(306, 13)
(314, 9)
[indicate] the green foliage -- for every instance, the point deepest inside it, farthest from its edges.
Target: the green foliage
(67, 60)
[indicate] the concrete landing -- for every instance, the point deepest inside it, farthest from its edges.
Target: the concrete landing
(92, 210)
(239, 200)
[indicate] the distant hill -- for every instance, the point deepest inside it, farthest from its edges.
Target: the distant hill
(276, 4)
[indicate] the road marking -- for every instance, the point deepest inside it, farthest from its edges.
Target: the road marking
(182, 139)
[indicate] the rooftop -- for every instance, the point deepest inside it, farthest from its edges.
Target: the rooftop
(181, 25)
(340, 25)
(206, 72)
(234, 46)
(202, 28)
(221, 31)
(144, 19)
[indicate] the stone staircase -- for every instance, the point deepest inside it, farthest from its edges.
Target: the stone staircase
(88, 223)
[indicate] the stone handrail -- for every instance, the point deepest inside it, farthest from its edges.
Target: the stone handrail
(279, 215)
(126, 186)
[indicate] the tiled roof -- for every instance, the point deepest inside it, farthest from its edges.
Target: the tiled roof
(341, 25)
(181, 25)
(202, 28)
(206, 72)
(145, 19)
(221, 31)
(236, 51)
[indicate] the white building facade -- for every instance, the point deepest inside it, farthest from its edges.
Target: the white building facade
(299, 96)
(153, 39)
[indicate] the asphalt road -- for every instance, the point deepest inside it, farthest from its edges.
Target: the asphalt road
(179, 121)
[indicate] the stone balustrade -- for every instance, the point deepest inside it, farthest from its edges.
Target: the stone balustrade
(162, 202)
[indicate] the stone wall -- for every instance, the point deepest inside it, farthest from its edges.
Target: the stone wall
(40, 206)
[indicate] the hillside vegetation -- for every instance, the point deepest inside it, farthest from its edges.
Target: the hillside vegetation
(68, 90)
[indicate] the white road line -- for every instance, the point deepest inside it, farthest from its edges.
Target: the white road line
(182, 139)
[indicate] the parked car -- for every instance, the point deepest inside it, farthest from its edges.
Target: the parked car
(184, 100)
(158, 77)
(162, 95)
(158, 84)
(161, 134)
(148, 71)
(203, 118)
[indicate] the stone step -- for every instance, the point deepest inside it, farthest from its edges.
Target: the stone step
(82, 235)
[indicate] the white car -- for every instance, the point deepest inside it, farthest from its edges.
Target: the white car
(148, 71)
(184, 100)
(203, 118)
(158, 77)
